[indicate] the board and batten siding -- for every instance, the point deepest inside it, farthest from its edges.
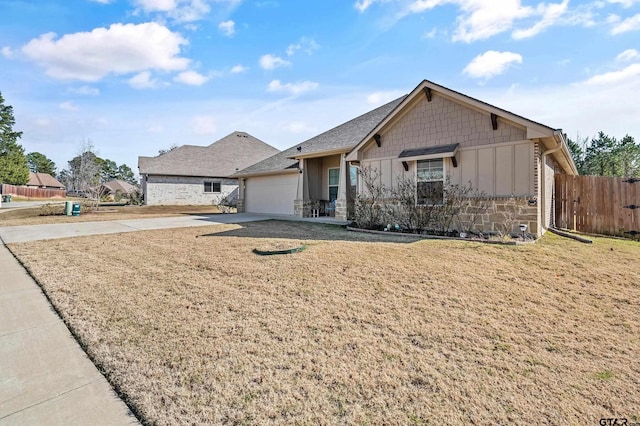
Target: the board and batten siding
(499, 162)
(186, 190)
(501, 170)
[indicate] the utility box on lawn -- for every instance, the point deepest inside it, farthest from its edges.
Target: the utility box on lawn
(75, 211)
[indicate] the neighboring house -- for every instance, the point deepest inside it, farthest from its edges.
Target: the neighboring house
(432, 134)
(199, 175)
(43, 181)
(117, 187)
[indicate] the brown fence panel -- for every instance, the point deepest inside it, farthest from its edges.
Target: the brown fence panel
(598, 205)
(23, 191)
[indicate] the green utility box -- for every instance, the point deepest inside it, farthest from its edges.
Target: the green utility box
(75, 211)
(68, 207)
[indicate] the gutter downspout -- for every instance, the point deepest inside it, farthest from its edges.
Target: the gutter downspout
(557, 135)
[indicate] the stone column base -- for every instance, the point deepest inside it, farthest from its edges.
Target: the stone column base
(341, 209)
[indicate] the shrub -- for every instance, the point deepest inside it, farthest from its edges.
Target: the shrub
(51, 210)
(450, 210)
(226, 204)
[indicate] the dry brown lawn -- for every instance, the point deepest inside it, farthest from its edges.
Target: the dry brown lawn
(42, 215)
(193, 328)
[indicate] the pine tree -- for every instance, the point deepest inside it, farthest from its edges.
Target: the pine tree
(13, 163)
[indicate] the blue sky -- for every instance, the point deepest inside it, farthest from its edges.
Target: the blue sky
(136, 76)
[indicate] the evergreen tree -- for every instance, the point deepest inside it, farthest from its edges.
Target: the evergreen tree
(39, 163)
(13, 163)
(607, 156)
(126, 174)
(577, 153)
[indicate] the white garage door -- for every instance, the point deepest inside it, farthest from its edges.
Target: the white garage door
(271, 194)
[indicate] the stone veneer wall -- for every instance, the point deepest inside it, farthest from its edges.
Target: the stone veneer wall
(240, 205)
(341, 209)
(506, 215)
(302, 208)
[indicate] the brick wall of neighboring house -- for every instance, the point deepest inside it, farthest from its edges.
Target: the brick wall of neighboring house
(185, 190)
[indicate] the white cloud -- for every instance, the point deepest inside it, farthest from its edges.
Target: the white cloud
(85, 90)
(571, 106)
(183, 11)
(157, 5)
(102, 1)
(158, 128)
(203, 125)
(297, 127)
(551, 13)
(482, 19)
(491, 63)
(292, 88)
(239, 69)
(7, 52)
(624, 3)
(191, 78)
(629, 24)
(271, 62)
(613, 77)
(628, 55)
(228, 28)
(68, 106)
(363, 5)
(119, 49)
(306, 45)
(143, 80)
(430, 34)
(380, 98)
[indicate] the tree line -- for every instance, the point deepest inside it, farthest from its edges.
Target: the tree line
(605, 155)
(84, 171)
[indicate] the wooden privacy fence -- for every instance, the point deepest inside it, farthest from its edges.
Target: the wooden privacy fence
(23, 191)
(598, 205)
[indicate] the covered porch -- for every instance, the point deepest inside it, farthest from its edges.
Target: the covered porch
(326, 187)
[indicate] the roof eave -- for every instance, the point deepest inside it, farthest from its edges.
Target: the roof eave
(265, 173)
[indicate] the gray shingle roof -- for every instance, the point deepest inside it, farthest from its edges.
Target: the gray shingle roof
(220, 159)
(343, 137)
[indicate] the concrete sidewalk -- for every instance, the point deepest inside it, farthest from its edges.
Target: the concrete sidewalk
(45, 377)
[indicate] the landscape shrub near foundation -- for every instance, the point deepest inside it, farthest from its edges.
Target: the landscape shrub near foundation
(453, 210)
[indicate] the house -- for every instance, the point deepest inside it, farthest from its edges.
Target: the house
(199, 175)
(117, 188)
(43, 181)
(432, 135)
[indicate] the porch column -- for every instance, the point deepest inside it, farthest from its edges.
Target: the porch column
(341, 201)
(300, 204)
(240, 200)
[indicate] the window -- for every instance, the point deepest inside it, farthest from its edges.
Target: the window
(212, 187)
(334, 180)
(353, 184)
(430, 181)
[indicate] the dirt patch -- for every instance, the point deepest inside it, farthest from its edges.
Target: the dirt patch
(194, 328)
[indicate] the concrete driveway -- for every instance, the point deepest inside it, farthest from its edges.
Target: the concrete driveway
(19, 234)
